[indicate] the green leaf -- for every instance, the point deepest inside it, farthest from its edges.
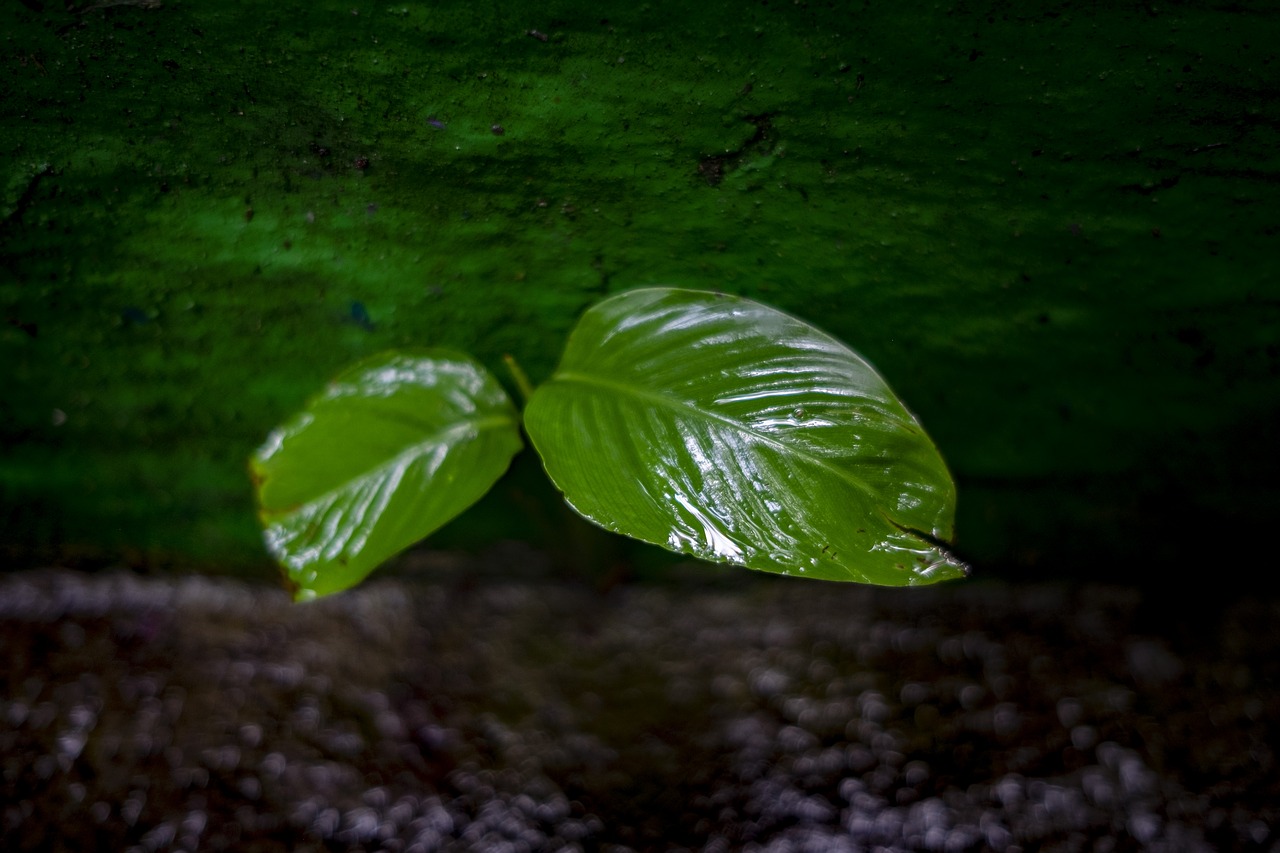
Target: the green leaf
(719, 427)
(392, 449)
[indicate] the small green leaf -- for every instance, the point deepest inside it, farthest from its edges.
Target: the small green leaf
(719, 427)
(395, 447)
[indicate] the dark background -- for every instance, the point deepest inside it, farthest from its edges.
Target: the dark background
(1052, 226)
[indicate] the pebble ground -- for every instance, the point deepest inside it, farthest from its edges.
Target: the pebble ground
(483, 705)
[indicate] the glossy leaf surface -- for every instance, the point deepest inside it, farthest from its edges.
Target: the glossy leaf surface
(391, 450)
(719, 427)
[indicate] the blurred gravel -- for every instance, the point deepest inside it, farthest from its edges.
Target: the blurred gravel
(484, 705)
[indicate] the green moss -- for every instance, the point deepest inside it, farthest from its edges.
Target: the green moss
(1052, 228)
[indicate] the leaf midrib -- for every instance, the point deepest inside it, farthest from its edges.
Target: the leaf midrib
(681, 405)
(483, 424)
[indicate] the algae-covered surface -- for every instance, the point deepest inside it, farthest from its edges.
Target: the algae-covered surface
(1052, 226)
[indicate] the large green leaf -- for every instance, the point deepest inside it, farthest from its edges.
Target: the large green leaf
(395, 447)
(719, 427)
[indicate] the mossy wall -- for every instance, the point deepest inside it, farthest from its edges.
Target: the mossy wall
(1053, 226)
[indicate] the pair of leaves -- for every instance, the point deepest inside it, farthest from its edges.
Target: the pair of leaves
(707, 424)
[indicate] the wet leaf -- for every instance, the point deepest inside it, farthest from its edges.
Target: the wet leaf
(391, 450)
(719, 427)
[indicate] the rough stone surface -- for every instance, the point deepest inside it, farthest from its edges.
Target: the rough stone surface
(452, 709)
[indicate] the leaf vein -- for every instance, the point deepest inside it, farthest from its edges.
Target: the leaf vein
(681, 405)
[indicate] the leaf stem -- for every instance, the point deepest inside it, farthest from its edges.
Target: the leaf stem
(523, 385)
